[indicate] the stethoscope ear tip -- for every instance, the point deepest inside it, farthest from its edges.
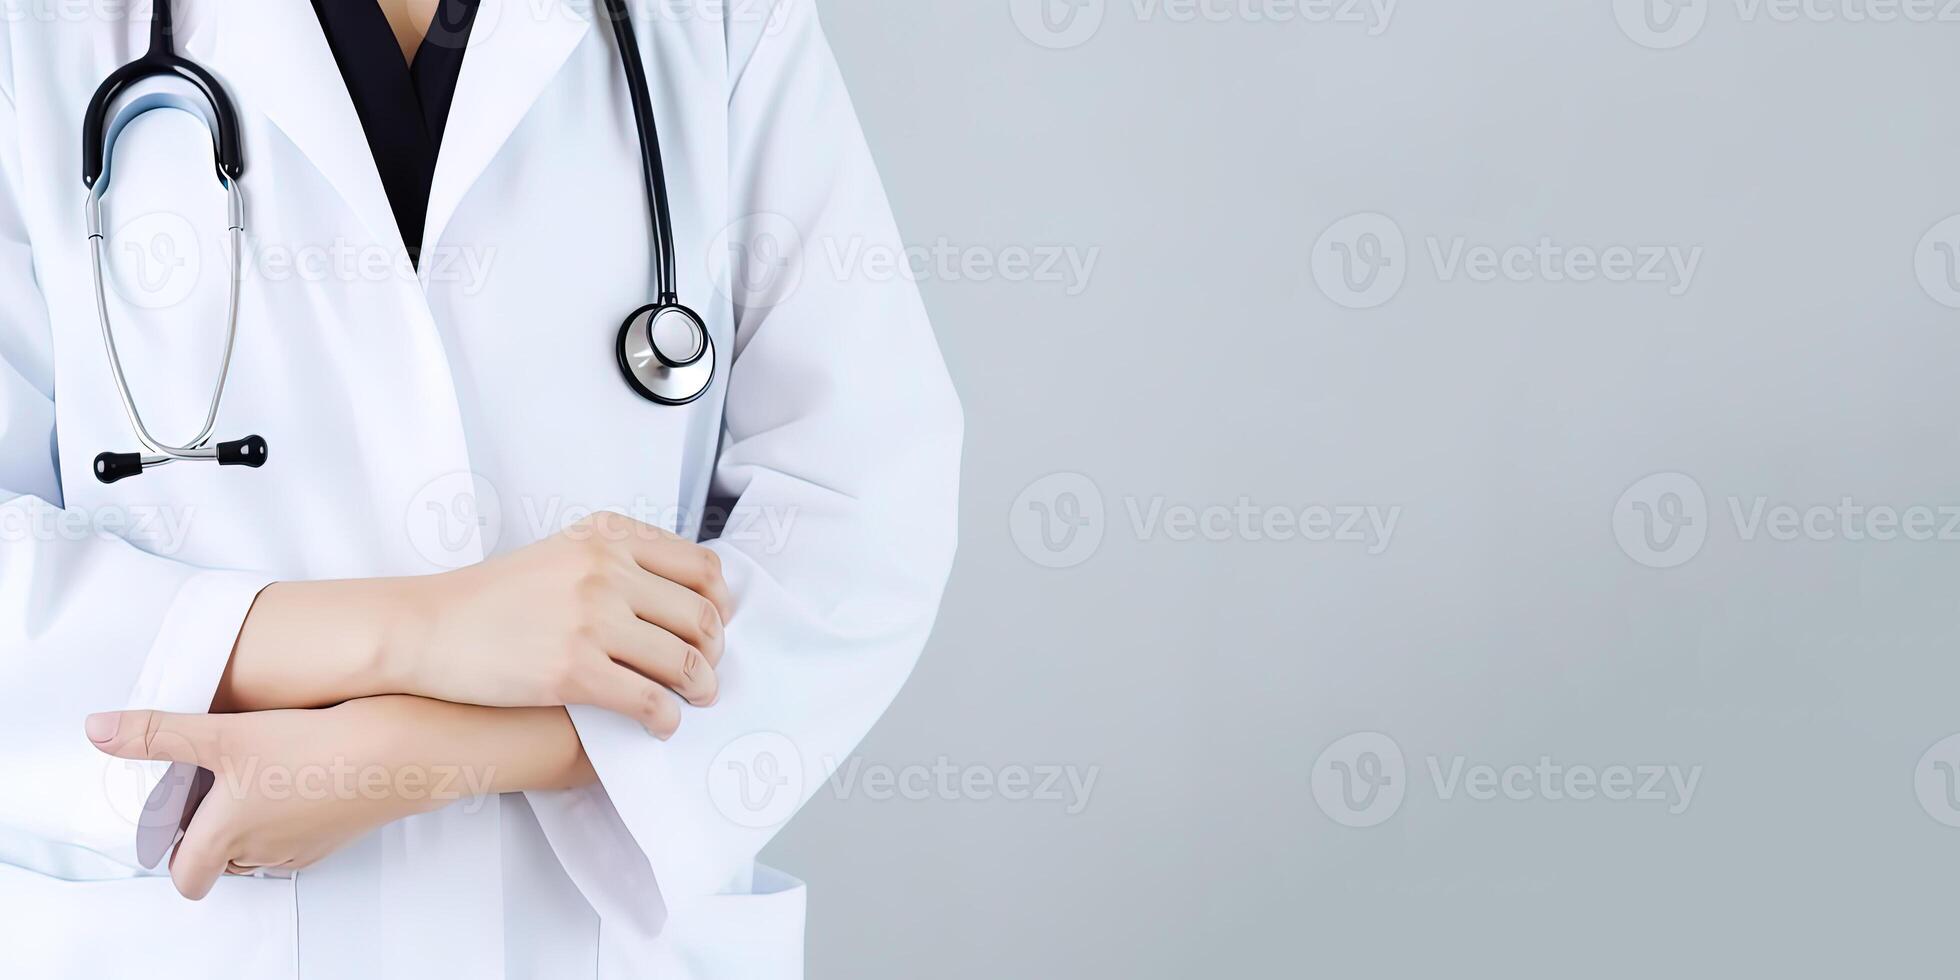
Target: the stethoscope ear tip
(249, 451)
(111, 467)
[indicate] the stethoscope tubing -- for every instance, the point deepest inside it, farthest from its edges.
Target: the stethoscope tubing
(651, 371)
(198, 447)
(653, 172)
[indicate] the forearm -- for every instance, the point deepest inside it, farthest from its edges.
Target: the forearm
(314, 644)
(502, 750)
(347, 770)
(609, 612)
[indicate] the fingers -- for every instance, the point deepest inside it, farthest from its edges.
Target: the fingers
(283, 869)
(157, 735)
(670, 649)
(671, 557)
(200, 857)
(190, 739)
(688, 564)
(625, 692)
(661, 656)
(678, 610)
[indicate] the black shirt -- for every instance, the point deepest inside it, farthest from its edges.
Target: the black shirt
(403, 109)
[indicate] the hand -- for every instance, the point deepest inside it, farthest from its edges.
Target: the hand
(610, 612)
(291, 787)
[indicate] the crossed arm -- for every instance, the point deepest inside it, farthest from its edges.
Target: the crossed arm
(348, 705)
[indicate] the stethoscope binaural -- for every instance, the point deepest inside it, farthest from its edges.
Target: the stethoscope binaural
(663, 348)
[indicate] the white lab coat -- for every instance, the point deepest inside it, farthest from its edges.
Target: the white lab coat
(419, 422)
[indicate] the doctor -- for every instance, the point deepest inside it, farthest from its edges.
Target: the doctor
(494, 661)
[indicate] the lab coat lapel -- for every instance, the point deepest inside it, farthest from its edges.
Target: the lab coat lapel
(273, 58)
(516, 48)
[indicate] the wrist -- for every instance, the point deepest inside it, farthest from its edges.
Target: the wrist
(406, 613)
(314, 644)
(411, 746)
(492, 750)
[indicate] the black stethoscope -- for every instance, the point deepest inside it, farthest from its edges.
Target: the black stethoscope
(663, 348)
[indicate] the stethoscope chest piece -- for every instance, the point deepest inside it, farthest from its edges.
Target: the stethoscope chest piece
(665, 353)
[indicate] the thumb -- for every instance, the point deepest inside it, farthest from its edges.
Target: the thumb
(157, 735)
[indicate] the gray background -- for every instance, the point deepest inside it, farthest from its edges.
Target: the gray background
(1507, 620)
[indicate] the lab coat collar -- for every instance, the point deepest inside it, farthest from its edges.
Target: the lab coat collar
(273, 58)
(516, 47)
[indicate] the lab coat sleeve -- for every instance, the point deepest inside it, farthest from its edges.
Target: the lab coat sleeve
(840, 455)
(88, 622)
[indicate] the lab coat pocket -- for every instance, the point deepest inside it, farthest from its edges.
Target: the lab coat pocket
(756, 935)
(141, 927)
